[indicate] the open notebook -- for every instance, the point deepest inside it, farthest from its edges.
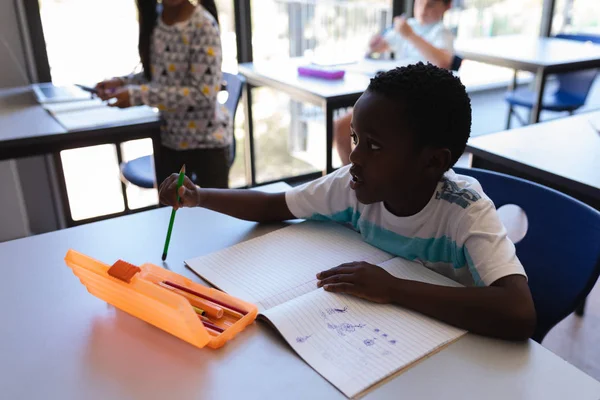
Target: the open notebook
(351, 342)
(94, 113)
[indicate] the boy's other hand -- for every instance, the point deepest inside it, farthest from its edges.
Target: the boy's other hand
(402, 27)
(360, 279)
(122, 98)
(189, 193)
(107, 87)
(377, 44)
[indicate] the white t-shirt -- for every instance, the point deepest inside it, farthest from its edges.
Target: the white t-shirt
(457, 234)
(436, 34)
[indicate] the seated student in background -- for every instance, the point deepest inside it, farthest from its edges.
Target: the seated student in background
(422, 38)
(181, 57)
(402, 196)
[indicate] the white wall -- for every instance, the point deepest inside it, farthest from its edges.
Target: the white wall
(11, 72)
(13, 217)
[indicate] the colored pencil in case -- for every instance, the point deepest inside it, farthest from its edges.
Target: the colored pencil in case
(211, 325)
(210, 309)
(190, 291)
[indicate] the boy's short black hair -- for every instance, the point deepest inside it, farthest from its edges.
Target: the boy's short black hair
(435, 104)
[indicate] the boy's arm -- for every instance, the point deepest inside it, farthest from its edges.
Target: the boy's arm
(249, 205)
(499, 304)
(504, 309)
(327, 198)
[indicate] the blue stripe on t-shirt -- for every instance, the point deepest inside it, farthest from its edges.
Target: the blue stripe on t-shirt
(434, 250)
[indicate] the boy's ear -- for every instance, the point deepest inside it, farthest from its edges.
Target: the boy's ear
(437, 160)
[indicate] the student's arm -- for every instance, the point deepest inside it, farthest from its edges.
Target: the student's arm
(204, 69)
(311, 200)
(250, 205)
(500, 305)
(378, 44)
(504, 310)
(438, 56)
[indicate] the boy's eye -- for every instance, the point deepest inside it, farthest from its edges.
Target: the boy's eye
(374, 146)
(354, 138)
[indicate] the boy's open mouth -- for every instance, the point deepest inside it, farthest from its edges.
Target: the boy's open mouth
(356, 179)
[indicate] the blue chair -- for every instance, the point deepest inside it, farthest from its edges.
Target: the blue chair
(571, 93)
(561, 249)
(140, 171)
(456, 63)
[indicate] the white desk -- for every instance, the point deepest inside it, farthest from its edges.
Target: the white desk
(59, 342)
(541, 56)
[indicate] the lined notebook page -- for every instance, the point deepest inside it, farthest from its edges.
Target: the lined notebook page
(283, 264)
(102, 116)
(354, 343)
(67, 106)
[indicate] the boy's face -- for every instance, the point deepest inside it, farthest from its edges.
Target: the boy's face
(173, 3)
(430, 11)
(386, 165)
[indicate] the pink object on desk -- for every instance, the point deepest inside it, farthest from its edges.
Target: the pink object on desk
(320, 72)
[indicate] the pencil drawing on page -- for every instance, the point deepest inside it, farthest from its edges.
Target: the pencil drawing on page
(344, 328)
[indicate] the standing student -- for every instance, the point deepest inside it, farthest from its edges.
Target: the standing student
(422, 38)
(180, 50)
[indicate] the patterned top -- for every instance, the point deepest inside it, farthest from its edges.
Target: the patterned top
(186, 77)
(458, 234)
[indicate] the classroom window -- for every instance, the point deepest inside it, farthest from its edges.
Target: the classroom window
(289, 135)
(80, 52)
(93, 185)
(576, 16)
(472, 19)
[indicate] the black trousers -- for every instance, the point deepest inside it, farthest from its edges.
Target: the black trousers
(208, 168)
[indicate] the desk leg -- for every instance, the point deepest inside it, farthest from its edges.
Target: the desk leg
(62, 188)
(540, 82)
(156, 148)
(580, 308)
(512, 87)
(329, 141)
(123, 185)
(56, 190)
(249, 142)
(513, 83)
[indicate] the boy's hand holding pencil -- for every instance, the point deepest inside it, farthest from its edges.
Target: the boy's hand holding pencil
(189, 195)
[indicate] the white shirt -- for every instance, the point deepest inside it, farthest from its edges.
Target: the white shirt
(457, 234)
(436, 34)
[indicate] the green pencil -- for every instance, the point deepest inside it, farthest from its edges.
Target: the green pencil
(179, 183)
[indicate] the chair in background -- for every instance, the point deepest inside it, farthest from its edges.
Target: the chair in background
(456, 63)
(571, 93)
(140, 171)
(561, 249)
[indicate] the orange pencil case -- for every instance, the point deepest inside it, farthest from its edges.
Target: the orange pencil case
(143, 298)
